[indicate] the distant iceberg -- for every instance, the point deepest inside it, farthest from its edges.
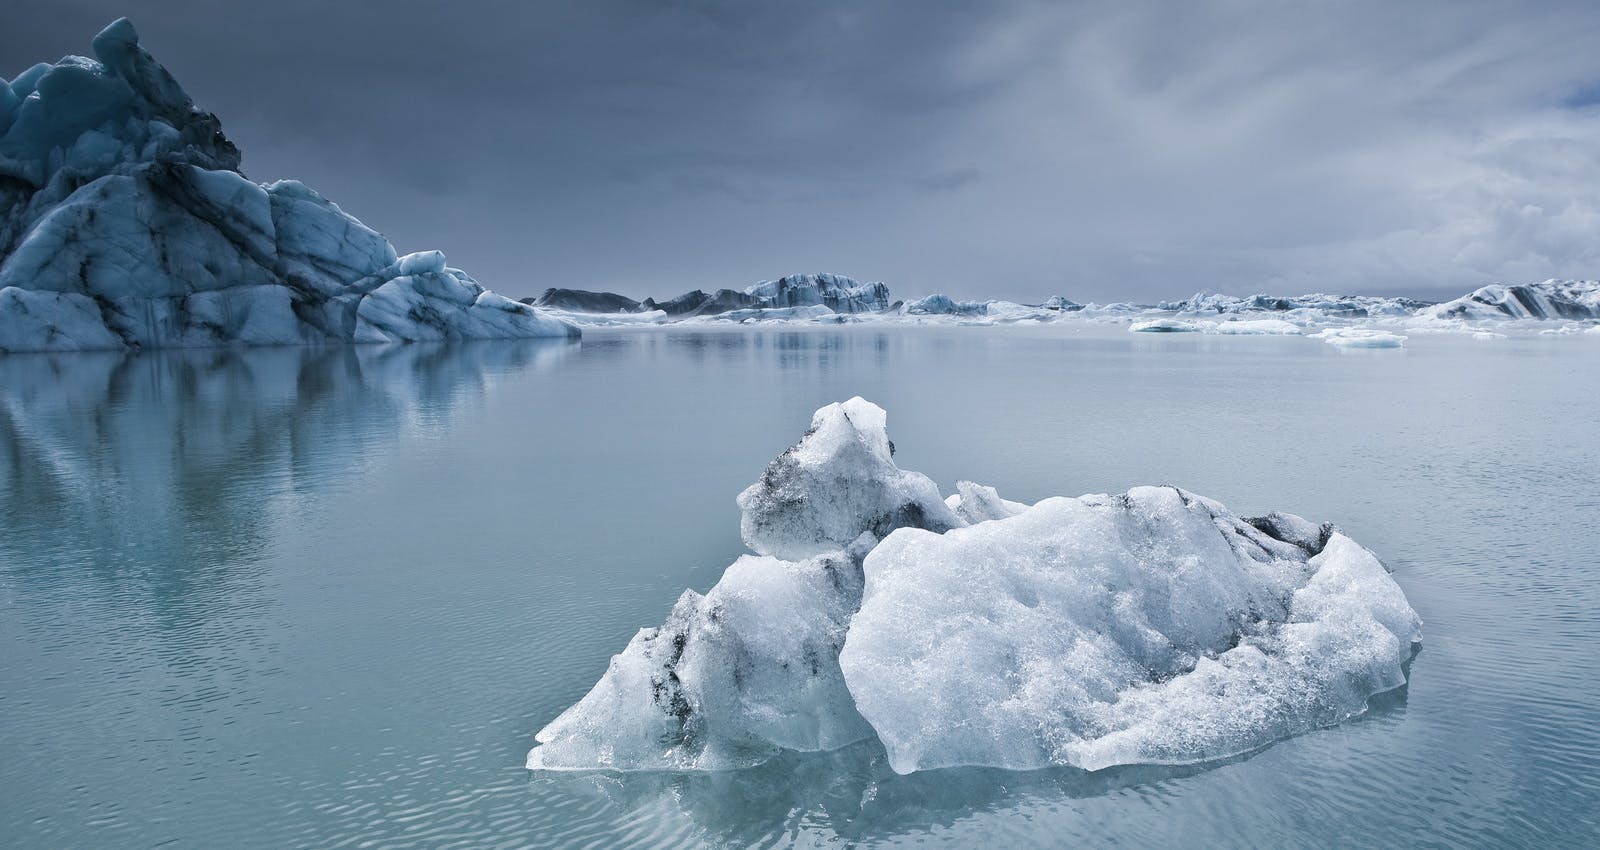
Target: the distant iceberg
(125, 223)
(813, 299)
(1360, 338)
(1552, 299)
(1164, 326)
(1153, 626)
(1315, 304)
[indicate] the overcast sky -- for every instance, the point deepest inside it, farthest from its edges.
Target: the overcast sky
(993, 149)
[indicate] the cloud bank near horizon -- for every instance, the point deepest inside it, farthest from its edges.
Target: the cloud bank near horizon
(1107, 151)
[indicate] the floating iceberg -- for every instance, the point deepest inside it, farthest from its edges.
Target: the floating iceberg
(1165, 326)
(1552, 299)
(584, 301)
(1149, 627)
(1276, 327)
(125, 223)
(1360, 338)
(836, 292)
(1314, 304)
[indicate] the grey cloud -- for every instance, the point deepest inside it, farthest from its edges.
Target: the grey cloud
(1019, 149)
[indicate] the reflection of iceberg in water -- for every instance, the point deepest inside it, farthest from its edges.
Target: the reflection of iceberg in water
(186, 453)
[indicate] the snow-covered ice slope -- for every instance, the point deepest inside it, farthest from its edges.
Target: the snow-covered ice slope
(125, 223)
(1150, 627)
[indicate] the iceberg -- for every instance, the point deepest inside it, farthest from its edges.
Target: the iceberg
(1150, 627)
(839, 482)
(944, 305)
(836, 292)
(1165, 326)
(1360, 338)
(1276, 327)
(1552, 299)
(583, 301)
(1314, 304)
(753, 665)
(125, 223)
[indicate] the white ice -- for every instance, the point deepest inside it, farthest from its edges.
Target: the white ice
(1360, 338)
(836, 483)
(1150, 627)
(1165, 326)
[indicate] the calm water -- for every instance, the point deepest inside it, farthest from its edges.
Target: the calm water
(325, 598)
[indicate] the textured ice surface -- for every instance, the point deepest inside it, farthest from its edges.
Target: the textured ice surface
(978, 503)
(839, 481)
(838, 293)
(1165, 326)
(1552, 299)
(1315, 304)
(1255, 326)
(1360, 338)
(1149, 627)
(125, 223)
(731, 677)
(944, 305)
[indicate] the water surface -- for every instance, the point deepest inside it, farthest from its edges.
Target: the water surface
(324, 598)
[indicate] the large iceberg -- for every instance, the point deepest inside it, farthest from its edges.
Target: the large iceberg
(1150, 627)
(836, 292)
(1552, 299)
(1314, 305)
(125, 223)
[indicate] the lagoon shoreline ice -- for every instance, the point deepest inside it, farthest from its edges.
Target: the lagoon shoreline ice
(1150, 627)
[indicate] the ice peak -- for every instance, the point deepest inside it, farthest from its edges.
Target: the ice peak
(838, 482)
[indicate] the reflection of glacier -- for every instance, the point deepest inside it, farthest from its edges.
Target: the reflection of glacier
(187, 453)
(1150, 627)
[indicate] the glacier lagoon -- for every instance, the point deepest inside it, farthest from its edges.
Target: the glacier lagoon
(321, 596)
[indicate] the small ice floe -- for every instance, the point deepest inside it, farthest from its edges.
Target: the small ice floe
(1165, 326)
(1360, 338)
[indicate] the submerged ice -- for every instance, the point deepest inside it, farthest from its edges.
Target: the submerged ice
(1153, 626)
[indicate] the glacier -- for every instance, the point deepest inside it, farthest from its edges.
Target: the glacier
(1149, 627)
(125, 223)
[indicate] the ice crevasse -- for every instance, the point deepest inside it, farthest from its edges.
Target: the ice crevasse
(1153, 626)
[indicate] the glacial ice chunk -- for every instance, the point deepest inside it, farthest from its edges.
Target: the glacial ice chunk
(1256, 326)
(1165, 326)
(839, 481)
(728, 680)
(978, 503)
(1360, 338)
(1152, 627)
(1552, 299)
